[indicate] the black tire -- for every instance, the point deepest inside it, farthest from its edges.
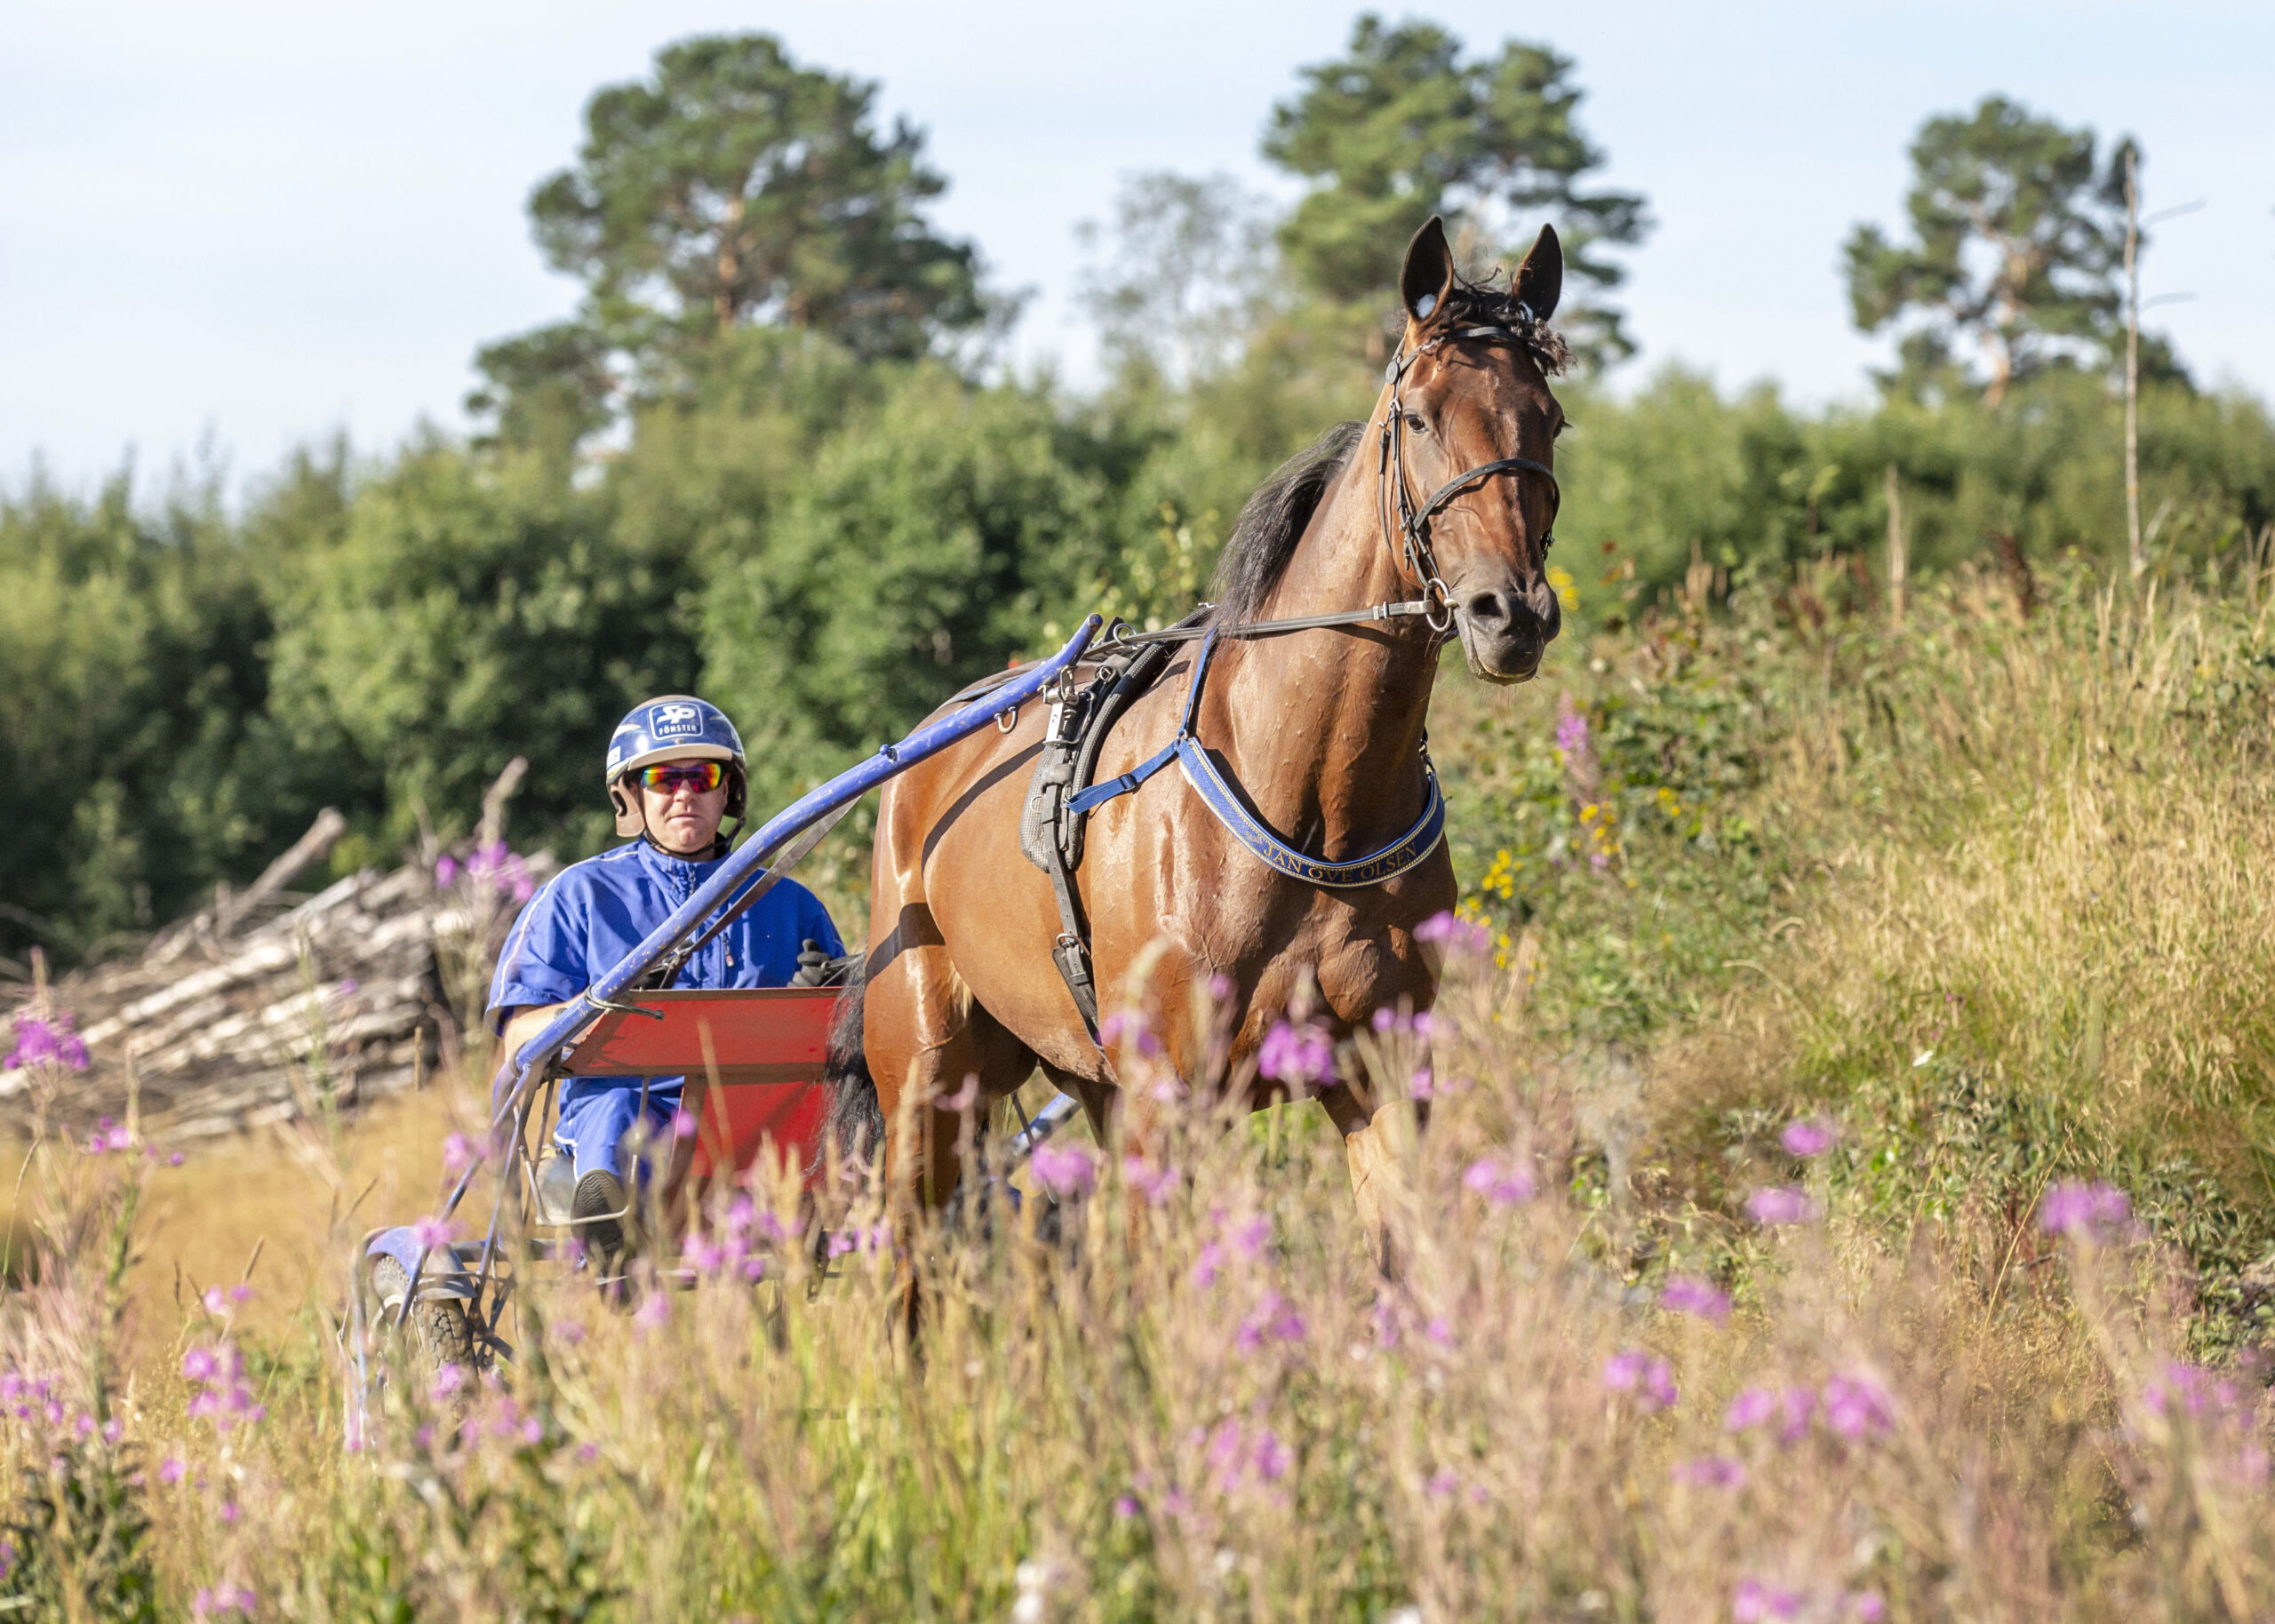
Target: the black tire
(441, 1334)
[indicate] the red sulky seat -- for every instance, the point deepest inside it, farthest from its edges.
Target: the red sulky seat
(765, 1047)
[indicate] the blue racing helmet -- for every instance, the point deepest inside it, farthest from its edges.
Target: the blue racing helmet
(673, 728)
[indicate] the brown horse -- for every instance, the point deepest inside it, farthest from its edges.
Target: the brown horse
(1321, 731)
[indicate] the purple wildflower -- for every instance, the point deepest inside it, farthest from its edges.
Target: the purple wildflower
(1503, 1184)
(1125, 1506)
(1250, 1236)
(1780, 1204)
(1807, 1137)
(1205, 1266)
(1458, 934)
(1296, 1054)
(432, 1233)
(683, 1124)
(446, 869)
(1064, 1170)
(1130, 1025)
(2086, 1210)
(1754, 1603)
(1156, 1184)
(171, 1469)
(46, 1040)
(1688, 1294)
(1866, 1606)
(458, 1154)
(1753, 1407)
(200, 1365)
(2191, 1388)
(1711, 1472)
(1635, 1371)
(1856, 1405)
(1441, 1481)
(1276, 1319)
(1270, 1457)
(1571, 734)
(655, 1312)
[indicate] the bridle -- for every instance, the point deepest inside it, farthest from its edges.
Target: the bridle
(1411, 543)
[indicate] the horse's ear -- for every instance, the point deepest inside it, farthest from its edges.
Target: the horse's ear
(1428, 275)
(1540, 279)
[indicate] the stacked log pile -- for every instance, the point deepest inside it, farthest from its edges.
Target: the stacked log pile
(266, 1006)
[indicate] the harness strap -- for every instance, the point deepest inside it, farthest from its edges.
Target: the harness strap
(1250, 830)
(1098, 794)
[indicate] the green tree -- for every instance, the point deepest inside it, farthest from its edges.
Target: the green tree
(471, 611)
(732, 187)
(2017, 243)
(922, 548)
(1400, 127)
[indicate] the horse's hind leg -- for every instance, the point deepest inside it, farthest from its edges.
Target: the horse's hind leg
(927, 1038)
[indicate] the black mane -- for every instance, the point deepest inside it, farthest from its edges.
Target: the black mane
(1271, 522)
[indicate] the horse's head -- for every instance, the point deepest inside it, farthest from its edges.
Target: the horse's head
(1472, 430)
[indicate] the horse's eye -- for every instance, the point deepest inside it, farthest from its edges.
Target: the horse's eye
(1415, 425)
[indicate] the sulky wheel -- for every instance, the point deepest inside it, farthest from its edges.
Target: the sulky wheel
(440, 1332)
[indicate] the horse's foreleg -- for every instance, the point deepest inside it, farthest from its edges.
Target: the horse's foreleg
(1377, 1145)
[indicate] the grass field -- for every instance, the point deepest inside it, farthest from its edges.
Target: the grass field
(1842, 1198)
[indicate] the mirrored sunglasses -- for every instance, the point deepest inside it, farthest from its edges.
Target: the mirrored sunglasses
(702, 777)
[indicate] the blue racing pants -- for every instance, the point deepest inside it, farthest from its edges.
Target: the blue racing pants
(598, 1113)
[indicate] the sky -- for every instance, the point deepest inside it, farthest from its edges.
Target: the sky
(233, 228)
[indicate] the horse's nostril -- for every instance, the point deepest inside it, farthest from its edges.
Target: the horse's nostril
(1489, 609)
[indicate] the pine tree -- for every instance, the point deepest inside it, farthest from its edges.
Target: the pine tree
(1400, 127)
(2019, 234)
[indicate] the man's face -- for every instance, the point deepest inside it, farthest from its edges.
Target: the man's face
(682, 815)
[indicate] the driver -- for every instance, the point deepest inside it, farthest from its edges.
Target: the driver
(675, 772)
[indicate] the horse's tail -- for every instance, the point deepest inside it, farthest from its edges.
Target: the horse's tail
(856, 1121)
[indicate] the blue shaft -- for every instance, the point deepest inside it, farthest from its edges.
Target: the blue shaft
(751, 856)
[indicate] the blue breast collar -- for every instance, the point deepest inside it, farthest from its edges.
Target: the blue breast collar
(1393, 860)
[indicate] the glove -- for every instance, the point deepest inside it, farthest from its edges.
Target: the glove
(814, 965)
